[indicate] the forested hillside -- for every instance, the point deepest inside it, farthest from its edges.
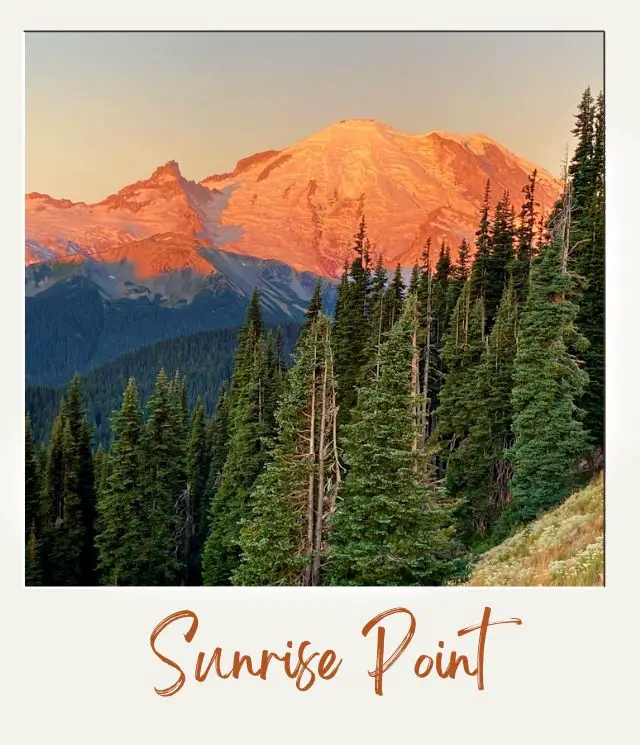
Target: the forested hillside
(207, 356)
(422, 423)
(69, 328)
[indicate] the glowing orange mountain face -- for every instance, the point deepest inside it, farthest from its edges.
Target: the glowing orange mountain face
(160, 254)
(300, 206)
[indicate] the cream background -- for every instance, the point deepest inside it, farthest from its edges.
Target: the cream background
(76, 664)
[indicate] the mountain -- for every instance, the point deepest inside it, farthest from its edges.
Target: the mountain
(152, 243)
(166, 256)
(302, 205)
(74, 325)
(564, 547)
(299, 206)
(164, 203)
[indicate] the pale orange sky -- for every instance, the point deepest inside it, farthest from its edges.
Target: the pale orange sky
(103, 110)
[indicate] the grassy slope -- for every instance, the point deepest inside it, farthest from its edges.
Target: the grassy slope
(562, 548)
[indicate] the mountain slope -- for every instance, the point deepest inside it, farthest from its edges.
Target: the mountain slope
(164, 203)
(166, 256)
(564, 547)
(73, 323)
(299, 206)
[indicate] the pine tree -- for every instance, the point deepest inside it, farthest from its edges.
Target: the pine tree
(314, 307)
(457, 276)
(549, 436)
(388, 527)
(198, 463)
(282, 540)
(31, 482)
(587, 239)
(501, 257)
(525, 239)
(273, 382)
(351, 329)
(581, 168)
(163, 478)
(129, 549)
(462, 265)
(479, 270)
(478, 472)
(442, 280)
(462, 352)
(75, 412)
(440, 304)
(67, 531)
(377, 312)
(414, 282)
(394, 299)
(249, 428)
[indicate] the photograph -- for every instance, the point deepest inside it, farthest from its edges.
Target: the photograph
(314, 308)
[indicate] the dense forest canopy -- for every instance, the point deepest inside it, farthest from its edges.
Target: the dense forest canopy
(206, 358)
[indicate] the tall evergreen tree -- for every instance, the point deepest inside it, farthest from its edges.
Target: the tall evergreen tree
(282, 540)
(314, 307)
(581, 168)
(32, 483)
(587, 239)
(394, 299)
(442, 297)
(135, 545)
(194, 500)
(462, 352)
(249, 429)
(458, 275)
(163, 453)
(501, 256)
(549, 436)
(414, 282)
(462, 265)
(479, 270)
(75, 412)
(525, 236)
(377, 311)
(351, 328)
(388, 527)
(440, 304)
(66, 532)
(478, 472)
(273, 382)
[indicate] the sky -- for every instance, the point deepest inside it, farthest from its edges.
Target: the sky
(105, 109)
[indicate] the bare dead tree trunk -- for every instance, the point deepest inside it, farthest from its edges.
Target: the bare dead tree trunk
(565, 218)
(317, 540)
(415, 359)
(426, 372)
(312, 459)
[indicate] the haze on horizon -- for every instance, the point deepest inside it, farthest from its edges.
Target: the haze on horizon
(105, 109)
